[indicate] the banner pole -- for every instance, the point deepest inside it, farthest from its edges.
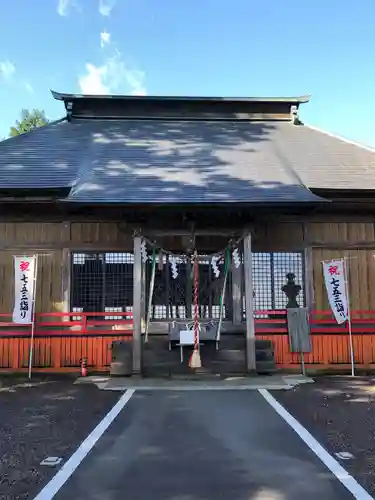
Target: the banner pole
(346, 270)
(33, 317)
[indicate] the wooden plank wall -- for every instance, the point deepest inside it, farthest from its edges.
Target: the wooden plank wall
(327, 240)
(361, 267)
(49, 285)
(52, 242)
(63, 234)
(354, 241)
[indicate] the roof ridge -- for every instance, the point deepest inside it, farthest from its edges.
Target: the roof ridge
(204, 119)
(341, 138)
(60, 96)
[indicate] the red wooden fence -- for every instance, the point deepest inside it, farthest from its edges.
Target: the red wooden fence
(330, 341)
(62, 339)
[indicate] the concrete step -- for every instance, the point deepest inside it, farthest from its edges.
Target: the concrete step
(265, 367)
(264, 356)
(261, 344)
(237, 355)
(229, 359)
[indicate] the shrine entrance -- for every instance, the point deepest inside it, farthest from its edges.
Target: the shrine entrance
(173, 294)
(170, 301)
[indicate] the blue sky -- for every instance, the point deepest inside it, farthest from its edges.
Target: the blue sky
(193, 47)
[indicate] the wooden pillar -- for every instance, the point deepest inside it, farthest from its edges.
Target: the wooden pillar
(237, 294)
(65, 282)
(143, 298)
(66, 270)
(309, 279)
(250, 330)
(137, 306)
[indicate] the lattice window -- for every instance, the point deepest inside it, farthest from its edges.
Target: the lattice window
(102, 282)
(269, 276)
(113, 309)
(79, 258)
(119, 258)
(77, 309)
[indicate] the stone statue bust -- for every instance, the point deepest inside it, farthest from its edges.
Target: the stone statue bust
(291, 290)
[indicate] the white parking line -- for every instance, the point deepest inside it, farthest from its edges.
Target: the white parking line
(60, 478)
(331, 463)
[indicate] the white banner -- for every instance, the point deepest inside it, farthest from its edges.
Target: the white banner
(334, 277)
(24, 274)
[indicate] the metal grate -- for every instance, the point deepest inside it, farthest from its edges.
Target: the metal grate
(269, 276)
(102, 282)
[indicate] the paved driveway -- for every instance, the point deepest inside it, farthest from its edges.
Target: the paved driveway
(201, 445)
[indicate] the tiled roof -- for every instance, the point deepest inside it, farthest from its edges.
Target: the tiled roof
(48, 157)
(161, 161)
(157, 161)
(325, 161)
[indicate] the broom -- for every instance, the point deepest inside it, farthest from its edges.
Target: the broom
(195, 358)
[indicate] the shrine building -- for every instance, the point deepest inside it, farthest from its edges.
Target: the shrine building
(115, 199)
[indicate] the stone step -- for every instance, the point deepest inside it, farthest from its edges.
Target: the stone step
(266, 367)
(261, 344)
(237, 355)
(229, 359)
(264, 355)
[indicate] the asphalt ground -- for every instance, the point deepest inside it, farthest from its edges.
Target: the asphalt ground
(340, 412)
(200, 445)
(47, 417)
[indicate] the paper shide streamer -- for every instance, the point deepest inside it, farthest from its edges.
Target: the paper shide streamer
(214, 264)
(144, 251)
(173, 262)
(236, 258)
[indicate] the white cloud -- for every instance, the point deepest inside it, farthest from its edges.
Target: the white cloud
(64, 6)
(112, 77)
(105, 7)
(29, 88)
(105, 38)
(92, 83)
(7, 70)
(135, 80)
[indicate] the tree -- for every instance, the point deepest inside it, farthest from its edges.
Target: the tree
(30, 120)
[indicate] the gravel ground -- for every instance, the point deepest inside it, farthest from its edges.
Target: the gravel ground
(49, 417)
(340, 413)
